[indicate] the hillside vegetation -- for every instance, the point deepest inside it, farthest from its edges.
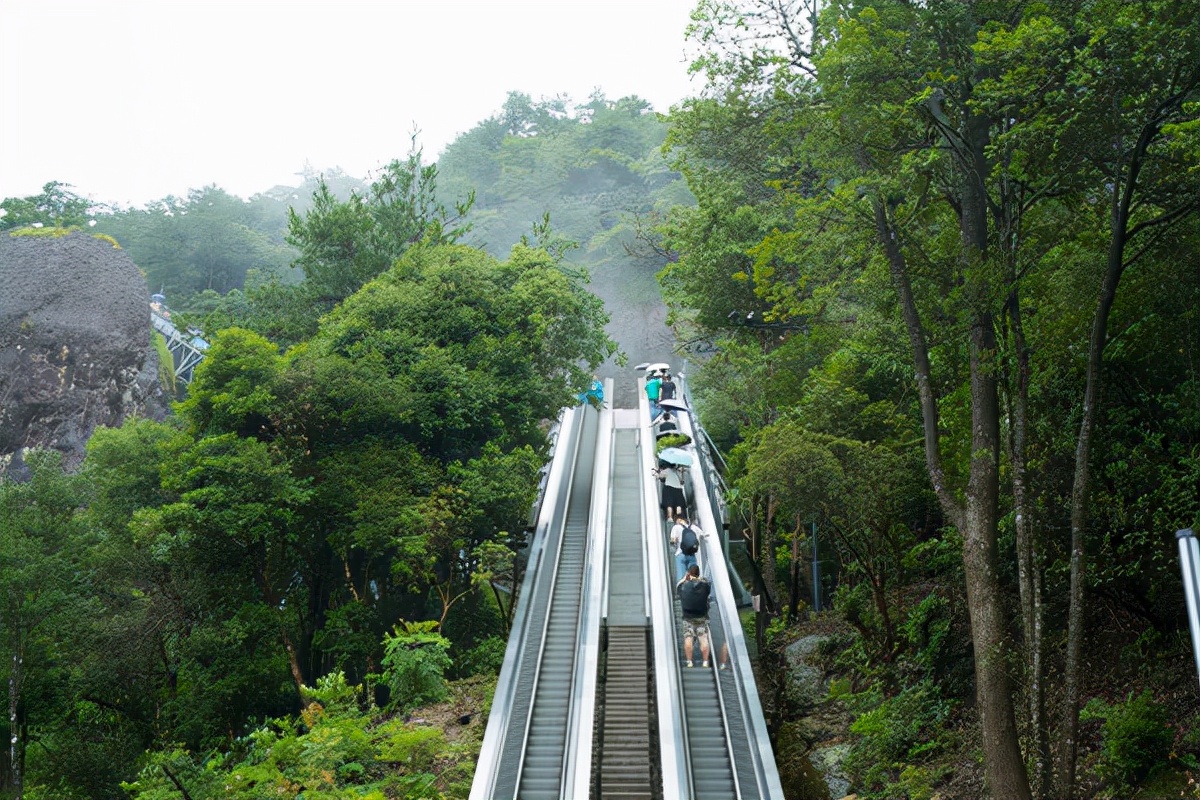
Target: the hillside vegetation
(941, 259)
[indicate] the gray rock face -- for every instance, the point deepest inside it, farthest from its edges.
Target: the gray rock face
(74, 344)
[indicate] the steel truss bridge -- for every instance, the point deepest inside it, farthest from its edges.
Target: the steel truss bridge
(594, 700)
(187, 348)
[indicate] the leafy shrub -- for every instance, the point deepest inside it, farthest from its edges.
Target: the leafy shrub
(486, 658)
(900, 732)
(672, 440)
(939, 644)
(333, 693)
(414, 664)
(1135, 737)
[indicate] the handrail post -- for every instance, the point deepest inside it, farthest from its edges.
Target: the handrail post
(1189, 561)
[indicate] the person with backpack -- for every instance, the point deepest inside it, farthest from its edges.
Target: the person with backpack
(694, 594)
(686, 538)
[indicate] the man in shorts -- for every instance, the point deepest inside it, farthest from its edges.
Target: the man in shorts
(694, 593)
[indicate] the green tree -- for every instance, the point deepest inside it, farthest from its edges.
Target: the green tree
(344, 244)
(207, 241)
(42, 541)
(57, 206)
(1132, 140)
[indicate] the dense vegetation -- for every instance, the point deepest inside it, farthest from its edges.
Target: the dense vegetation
(944, 254)
(255, 596)
(959, 240)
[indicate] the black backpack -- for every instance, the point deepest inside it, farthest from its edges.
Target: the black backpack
(689, 543)
(693, 597)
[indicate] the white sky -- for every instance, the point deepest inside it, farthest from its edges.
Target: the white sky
(132, 100)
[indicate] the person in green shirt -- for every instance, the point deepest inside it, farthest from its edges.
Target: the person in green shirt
(653, 387)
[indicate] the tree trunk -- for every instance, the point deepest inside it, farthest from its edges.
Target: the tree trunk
(767, 555)
(1004, 766)
(1029, 564)
(16, 753)
(794, 598)
(1069, 728)
(1114, 268)
(1030, 587)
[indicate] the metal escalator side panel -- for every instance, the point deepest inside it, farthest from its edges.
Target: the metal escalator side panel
(544, 740)
(745, 695)
(551, 518)
(581, 721)
(676, 782)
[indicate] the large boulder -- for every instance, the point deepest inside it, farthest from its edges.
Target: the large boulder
(74, 344)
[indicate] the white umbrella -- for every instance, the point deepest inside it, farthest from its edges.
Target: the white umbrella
(643, 365)
(673, 404)
(659, 367)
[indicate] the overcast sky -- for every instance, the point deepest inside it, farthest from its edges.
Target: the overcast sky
(132, 100)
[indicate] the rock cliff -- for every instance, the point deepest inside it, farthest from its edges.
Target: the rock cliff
(75, 347)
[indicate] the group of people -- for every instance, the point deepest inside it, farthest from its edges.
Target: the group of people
(659, 386)
(694, 591)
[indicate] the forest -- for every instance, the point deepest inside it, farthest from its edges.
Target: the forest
(937, 263)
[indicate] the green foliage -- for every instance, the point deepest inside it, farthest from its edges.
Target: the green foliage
(333, 693)
(166, 362)
(336, 752)
(896, 737)
(42, 233)
(671, 440)
(233, 388)
(486, 658)
(209, 240)
(415, 661)
(56, 207)
(1135, 737)
(344, 244)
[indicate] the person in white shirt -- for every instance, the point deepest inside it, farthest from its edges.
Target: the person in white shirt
(683, 559)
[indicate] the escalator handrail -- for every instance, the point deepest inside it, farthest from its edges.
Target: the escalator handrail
(553, 576)
(577, 757)
(668, 683)
(551, 517)
(703, 510)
